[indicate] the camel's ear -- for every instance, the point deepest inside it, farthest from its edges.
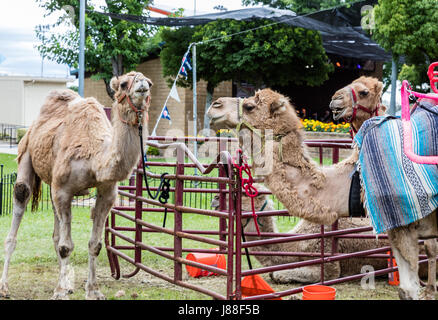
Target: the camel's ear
(378, 87)
(279, 105)
(115, 83)
(150, 82)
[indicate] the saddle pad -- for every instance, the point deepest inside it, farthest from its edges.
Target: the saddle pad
(397, 190)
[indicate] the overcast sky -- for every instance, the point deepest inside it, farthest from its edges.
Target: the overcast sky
(18, 55)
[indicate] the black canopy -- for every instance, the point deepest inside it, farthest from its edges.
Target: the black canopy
(340, 27)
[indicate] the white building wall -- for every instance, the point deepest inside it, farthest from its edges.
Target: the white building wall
(35, 93)
(12, 101)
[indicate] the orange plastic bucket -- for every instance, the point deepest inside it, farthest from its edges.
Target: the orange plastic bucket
(210, 259)
(319, 292)
(393, 277)
(254, 285)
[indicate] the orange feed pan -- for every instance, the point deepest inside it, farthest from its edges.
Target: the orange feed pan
(319, 292)
(254, 285)
(210, 259)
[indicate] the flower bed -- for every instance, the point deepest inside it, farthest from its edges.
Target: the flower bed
(318, 126)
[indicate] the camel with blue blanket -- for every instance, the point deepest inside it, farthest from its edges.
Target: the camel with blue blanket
(317, 194)
(400, 184)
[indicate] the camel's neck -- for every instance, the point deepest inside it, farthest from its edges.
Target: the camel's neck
(123, 152)
(360, 119)
(289, 152)
(305, 189)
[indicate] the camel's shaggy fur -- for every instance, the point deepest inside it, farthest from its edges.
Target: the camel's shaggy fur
(72, 146)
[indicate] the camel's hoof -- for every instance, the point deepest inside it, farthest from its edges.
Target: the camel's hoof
(405, 295)
(4, 291)
(61, 295)
(94, 295)
(427, 293)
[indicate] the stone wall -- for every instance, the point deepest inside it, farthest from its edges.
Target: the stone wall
(327, 152)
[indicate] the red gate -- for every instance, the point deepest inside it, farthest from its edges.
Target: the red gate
(226, 238)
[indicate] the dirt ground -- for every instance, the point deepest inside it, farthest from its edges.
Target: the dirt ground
(37, 281)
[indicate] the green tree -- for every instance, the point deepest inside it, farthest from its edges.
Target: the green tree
(408, 29)
(112, 46)
(269, 54)
(299, 6)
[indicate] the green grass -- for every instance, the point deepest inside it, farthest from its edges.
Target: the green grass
(34, 270)
(8, 162)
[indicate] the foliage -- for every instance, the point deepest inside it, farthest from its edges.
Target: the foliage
(176, 43)
(300, 6)
(225, 133)
(112, 46)
(408, 29)
(20, 134)
(153, 151)
(318, 126)
(270, 54)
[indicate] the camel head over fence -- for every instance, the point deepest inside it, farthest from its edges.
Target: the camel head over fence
(358, 101)
(223, 113)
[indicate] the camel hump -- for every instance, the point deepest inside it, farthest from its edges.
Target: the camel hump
(56, 103)
(65, 95)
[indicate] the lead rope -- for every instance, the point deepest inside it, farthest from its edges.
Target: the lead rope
(164, 187)
(247, 184)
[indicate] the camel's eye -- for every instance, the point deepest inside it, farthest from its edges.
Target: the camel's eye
(216, 105)
(124, 84)
(248, 107)
(363, 93)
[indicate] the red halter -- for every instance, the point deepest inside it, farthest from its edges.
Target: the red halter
(357, 106)
(133, 107)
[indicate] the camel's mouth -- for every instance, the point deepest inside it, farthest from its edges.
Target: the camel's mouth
(337, 109)
(213, 120)
(142, 91)
(338, 113)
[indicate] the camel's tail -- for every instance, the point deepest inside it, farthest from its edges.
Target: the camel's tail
(36, 190)
(36, 193)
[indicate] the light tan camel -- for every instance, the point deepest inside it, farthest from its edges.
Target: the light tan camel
(72, 146)
(317, 194)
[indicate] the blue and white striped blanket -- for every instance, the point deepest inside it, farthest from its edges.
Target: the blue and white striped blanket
(397, 190)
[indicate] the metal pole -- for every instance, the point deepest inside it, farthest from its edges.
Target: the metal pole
(81, 47)
(195, 107)
(1, 189)
(392, 103)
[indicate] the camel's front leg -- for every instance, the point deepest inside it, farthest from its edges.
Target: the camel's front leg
(68, 284)
(62, 240)
(105, 199)
(431, 252)
(404, 244)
